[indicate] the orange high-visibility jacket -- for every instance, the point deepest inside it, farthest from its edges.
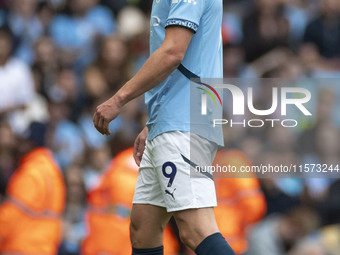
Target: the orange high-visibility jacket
(240, 201)
(30, 217)
(109, 208)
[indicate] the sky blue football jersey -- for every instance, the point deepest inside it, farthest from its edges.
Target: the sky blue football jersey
(168, 104)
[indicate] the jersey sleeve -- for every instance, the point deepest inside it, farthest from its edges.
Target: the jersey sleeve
(186, 13)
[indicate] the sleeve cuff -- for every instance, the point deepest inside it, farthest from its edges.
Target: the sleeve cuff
(181, 22)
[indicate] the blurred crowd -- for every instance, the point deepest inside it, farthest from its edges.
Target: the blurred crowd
(60, 58)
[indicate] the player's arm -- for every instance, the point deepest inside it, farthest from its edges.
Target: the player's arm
(156, 69)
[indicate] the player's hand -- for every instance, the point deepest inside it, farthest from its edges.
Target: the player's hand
(105, 113)
(139, 146)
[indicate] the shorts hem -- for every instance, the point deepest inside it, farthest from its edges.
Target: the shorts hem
(148, 203)
(176, 209)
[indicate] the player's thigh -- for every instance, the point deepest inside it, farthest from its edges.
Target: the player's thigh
(195, 225)
(147, 225)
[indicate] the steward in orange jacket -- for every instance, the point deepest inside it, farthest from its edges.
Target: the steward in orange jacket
(240, 201)
(30, 217)
(109, 208)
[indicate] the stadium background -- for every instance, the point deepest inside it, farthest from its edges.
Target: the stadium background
(76, 53)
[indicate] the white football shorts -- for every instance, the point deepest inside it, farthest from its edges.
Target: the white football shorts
(168, 175)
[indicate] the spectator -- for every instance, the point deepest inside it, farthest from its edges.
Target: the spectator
(96, 163)
(109, 72)
(26, 27)
(115, 6)
(330, 206)
(278, 202)
(16, 87)
(233, 61)
(46, 65)
(298, 16)
(74, 227)
(45, 12)
(30, 216)
(7, 155)
(324, 31)
(264, 29)
(65, 137)
(310, 246)
(76, 31)
(3, 4)
(277, 234)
